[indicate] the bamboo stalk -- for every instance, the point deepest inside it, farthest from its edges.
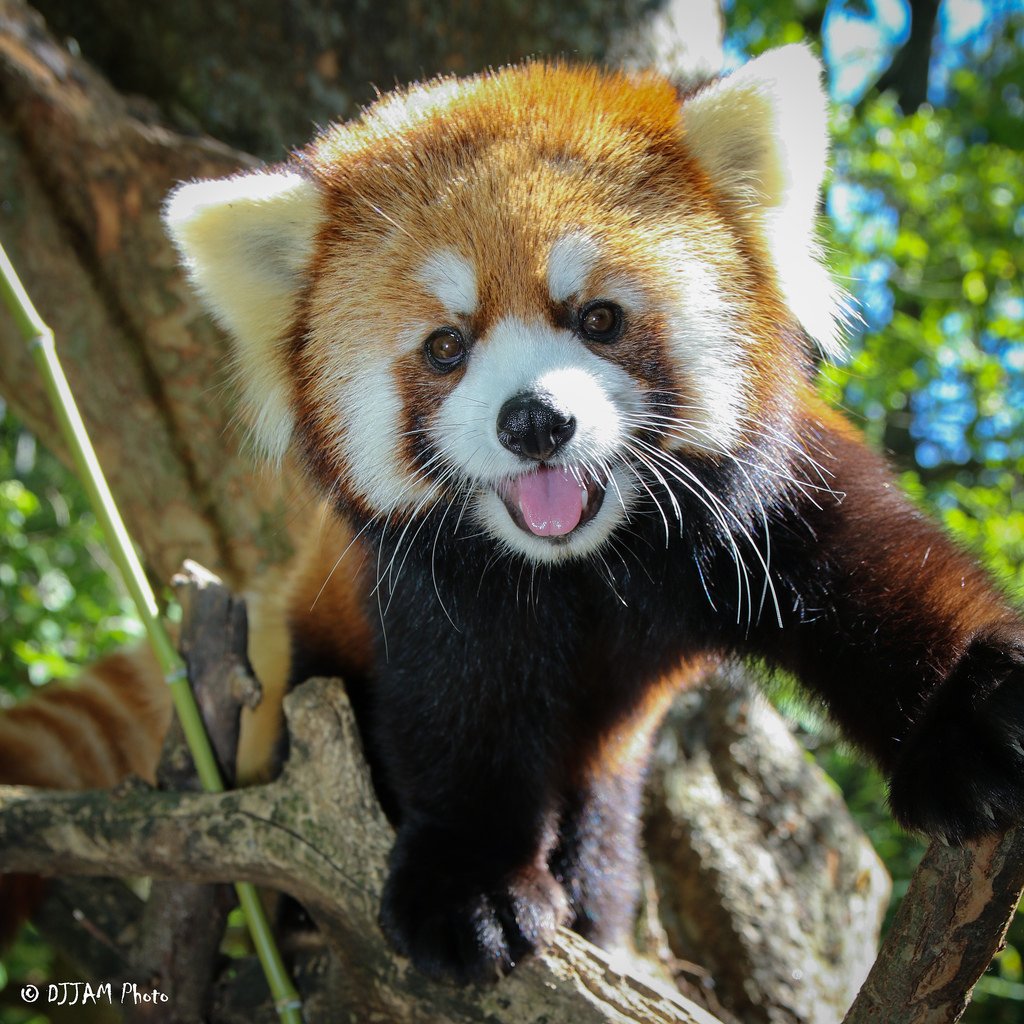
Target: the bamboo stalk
(44, 351)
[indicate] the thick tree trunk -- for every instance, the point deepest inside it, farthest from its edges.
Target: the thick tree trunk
(83, 178)
(764, 878)
(260, 75)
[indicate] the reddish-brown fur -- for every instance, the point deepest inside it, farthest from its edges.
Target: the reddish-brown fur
(508, 736)
(107, 725)
(91, 735)
(498, 172)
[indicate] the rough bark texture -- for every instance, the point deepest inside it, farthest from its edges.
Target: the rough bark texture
(82, 176)
(181, 931)
(260, 75)
(949, 926)
(763, 876)
(183, 923)
(214, 643)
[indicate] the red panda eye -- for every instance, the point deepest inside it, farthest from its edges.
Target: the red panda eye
(445, 349)
(601, 321)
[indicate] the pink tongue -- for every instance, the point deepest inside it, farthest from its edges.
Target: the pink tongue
(551, 501)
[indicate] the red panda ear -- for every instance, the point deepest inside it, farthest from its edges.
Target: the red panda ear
(761, 134)
(246, 242)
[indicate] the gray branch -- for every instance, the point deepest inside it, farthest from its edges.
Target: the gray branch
(316, 833)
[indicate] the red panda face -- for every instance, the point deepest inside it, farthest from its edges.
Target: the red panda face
(526, 378)
(523, 297)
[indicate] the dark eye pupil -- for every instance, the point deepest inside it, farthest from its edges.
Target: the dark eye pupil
(445, 349)
(600, 320)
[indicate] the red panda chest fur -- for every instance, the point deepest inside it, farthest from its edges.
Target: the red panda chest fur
(544, 340)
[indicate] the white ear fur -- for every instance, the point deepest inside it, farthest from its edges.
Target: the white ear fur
(246, 242)
(761, 133)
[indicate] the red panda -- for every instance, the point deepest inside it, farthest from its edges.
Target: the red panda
(545, 339)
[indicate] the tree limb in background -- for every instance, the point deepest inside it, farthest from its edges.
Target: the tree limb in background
(183, 922)
(907, 75)
(84, 176)
(259, 77)
(763, 877)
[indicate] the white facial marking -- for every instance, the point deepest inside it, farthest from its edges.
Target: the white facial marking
(451, 279)
(708, 350)
(369, 410)
(627, 293)
(570, 262)
(517, 358)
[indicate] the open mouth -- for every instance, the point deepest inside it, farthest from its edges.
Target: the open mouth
(552, 501)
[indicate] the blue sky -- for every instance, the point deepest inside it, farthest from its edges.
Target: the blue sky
(857, 47)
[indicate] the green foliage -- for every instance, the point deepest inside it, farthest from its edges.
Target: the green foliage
(926, 231)
(932, 219)
(30, 962)
(59, 607)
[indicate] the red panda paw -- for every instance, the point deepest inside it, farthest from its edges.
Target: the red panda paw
(453, 930)
(960, 774)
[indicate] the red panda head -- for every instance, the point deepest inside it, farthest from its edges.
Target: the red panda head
(521, 295)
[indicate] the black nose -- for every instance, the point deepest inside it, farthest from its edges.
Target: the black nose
(530, 426)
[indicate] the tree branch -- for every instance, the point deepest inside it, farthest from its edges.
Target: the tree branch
(318, 834)
(763, 876)
(87, 172)
(949, 926)
(907, 75)
(183, 922)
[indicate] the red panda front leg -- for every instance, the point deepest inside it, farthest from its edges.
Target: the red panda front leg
(598, 853)
(467, 743)
(464, 914)
(909, 644)
(960, 772)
